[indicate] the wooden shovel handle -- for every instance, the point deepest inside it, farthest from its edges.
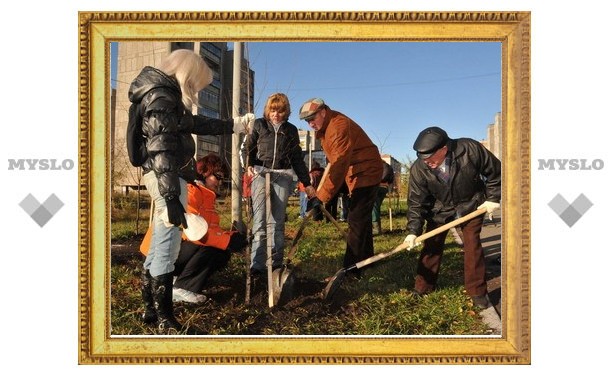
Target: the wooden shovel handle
(324, 176)
(452, 224)
(419, 239)
(333, 220)
(299, 234)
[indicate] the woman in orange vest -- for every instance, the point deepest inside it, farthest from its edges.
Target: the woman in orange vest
(198, 260)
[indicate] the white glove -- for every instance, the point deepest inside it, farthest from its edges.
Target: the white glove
(244, 123)
(411, 241)
(490, 206)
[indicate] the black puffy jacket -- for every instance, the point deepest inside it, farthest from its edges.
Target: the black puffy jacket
(475, 177)
(167, 128)
(277, 150)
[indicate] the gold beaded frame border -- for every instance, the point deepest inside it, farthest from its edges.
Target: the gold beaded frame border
(98, 29)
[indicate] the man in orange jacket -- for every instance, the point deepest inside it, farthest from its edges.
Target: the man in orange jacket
(353, 160)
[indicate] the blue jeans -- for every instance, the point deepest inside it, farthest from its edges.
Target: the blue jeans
(380, 197)
(165, 241)
(279, 198)
(303, 204)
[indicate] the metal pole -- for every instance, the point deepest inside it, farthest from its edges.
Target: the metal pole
(236, 176)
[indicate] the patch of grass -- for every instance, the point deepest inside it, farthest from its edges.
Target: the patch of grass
(378, 304)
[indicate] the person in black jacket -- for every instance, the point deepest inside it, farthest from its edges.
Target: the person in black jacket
(385, 186)
(162, 99)
(316, 174)
(273, 147)
(451, 178)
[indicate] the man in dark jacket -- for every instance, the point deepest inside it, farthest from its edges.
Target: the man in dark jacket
(451, 178)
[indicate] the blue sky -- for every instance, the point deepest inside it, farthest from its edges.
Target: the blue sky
(391, 89)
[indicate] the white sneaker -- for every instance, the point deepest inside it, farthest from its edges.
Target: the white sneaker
(182, 295)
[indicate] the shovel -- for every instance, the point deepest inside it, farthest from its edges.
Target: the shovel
(282, 278)
(334, 283)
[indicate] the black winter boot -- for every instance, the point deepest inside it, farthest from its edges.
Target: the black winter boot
(150, 315)
(162, 294)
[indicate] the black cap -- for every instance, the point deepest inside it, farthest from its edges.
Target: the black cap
(429, 141)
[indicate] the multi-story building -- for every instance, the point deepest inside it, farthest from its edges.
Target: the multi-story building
(494, 139)
(397, 170)
(311, 148)
(214, 101)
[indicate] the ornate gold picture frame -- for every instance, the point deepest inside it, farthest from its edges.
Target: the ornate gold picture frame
(98, 29)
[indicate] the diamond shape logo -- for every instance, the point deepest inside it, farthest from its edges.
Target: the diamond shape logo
(41, 213)
(570, 213)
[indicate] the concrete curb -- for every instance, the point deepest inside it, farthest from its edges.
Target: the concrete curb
(491, 319)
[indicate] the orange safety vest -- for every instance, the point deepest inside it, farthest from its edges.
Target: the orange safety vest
(201, 201)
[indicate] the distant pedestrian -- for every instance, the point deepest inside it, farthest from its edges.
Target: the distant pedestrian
(446, 182)
(316, 174)
(386, 183)
(353, 160)
(344, 203)
(332, 207)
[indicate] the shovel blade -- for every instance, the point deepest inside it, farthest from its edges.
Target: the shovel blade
(333, 285)
(283, 282)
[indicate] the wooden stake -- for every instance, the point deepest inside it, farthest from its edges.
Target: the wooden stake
(269, 241)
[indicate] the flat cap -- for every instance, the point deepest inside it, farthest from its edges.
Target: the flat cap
(429, 141)
(310, 107)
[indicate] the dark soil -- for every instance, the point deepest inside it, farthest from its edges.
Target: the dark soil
(302, 310)
(226, 310)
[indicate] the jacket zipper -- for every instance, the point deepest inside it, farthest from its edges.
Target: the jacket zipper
(275, 138)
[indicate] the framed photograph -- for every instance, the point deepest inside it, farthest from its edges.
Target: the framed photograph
(99, 343)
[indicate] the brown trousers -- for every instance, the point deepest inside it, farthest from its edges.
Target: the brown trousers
(473, 259)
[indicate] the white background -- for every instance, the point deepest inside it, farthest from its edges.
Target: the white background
(571, 81)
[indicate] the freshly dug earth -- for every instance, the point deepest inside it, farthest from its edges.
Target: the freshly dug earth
(301, 309)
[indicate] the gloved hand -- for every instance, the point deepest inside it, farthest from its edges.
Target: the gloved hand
(310, 191)
(490, 206)
(411, 241)
(176, 211)
(187, 121)
(244, 123)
